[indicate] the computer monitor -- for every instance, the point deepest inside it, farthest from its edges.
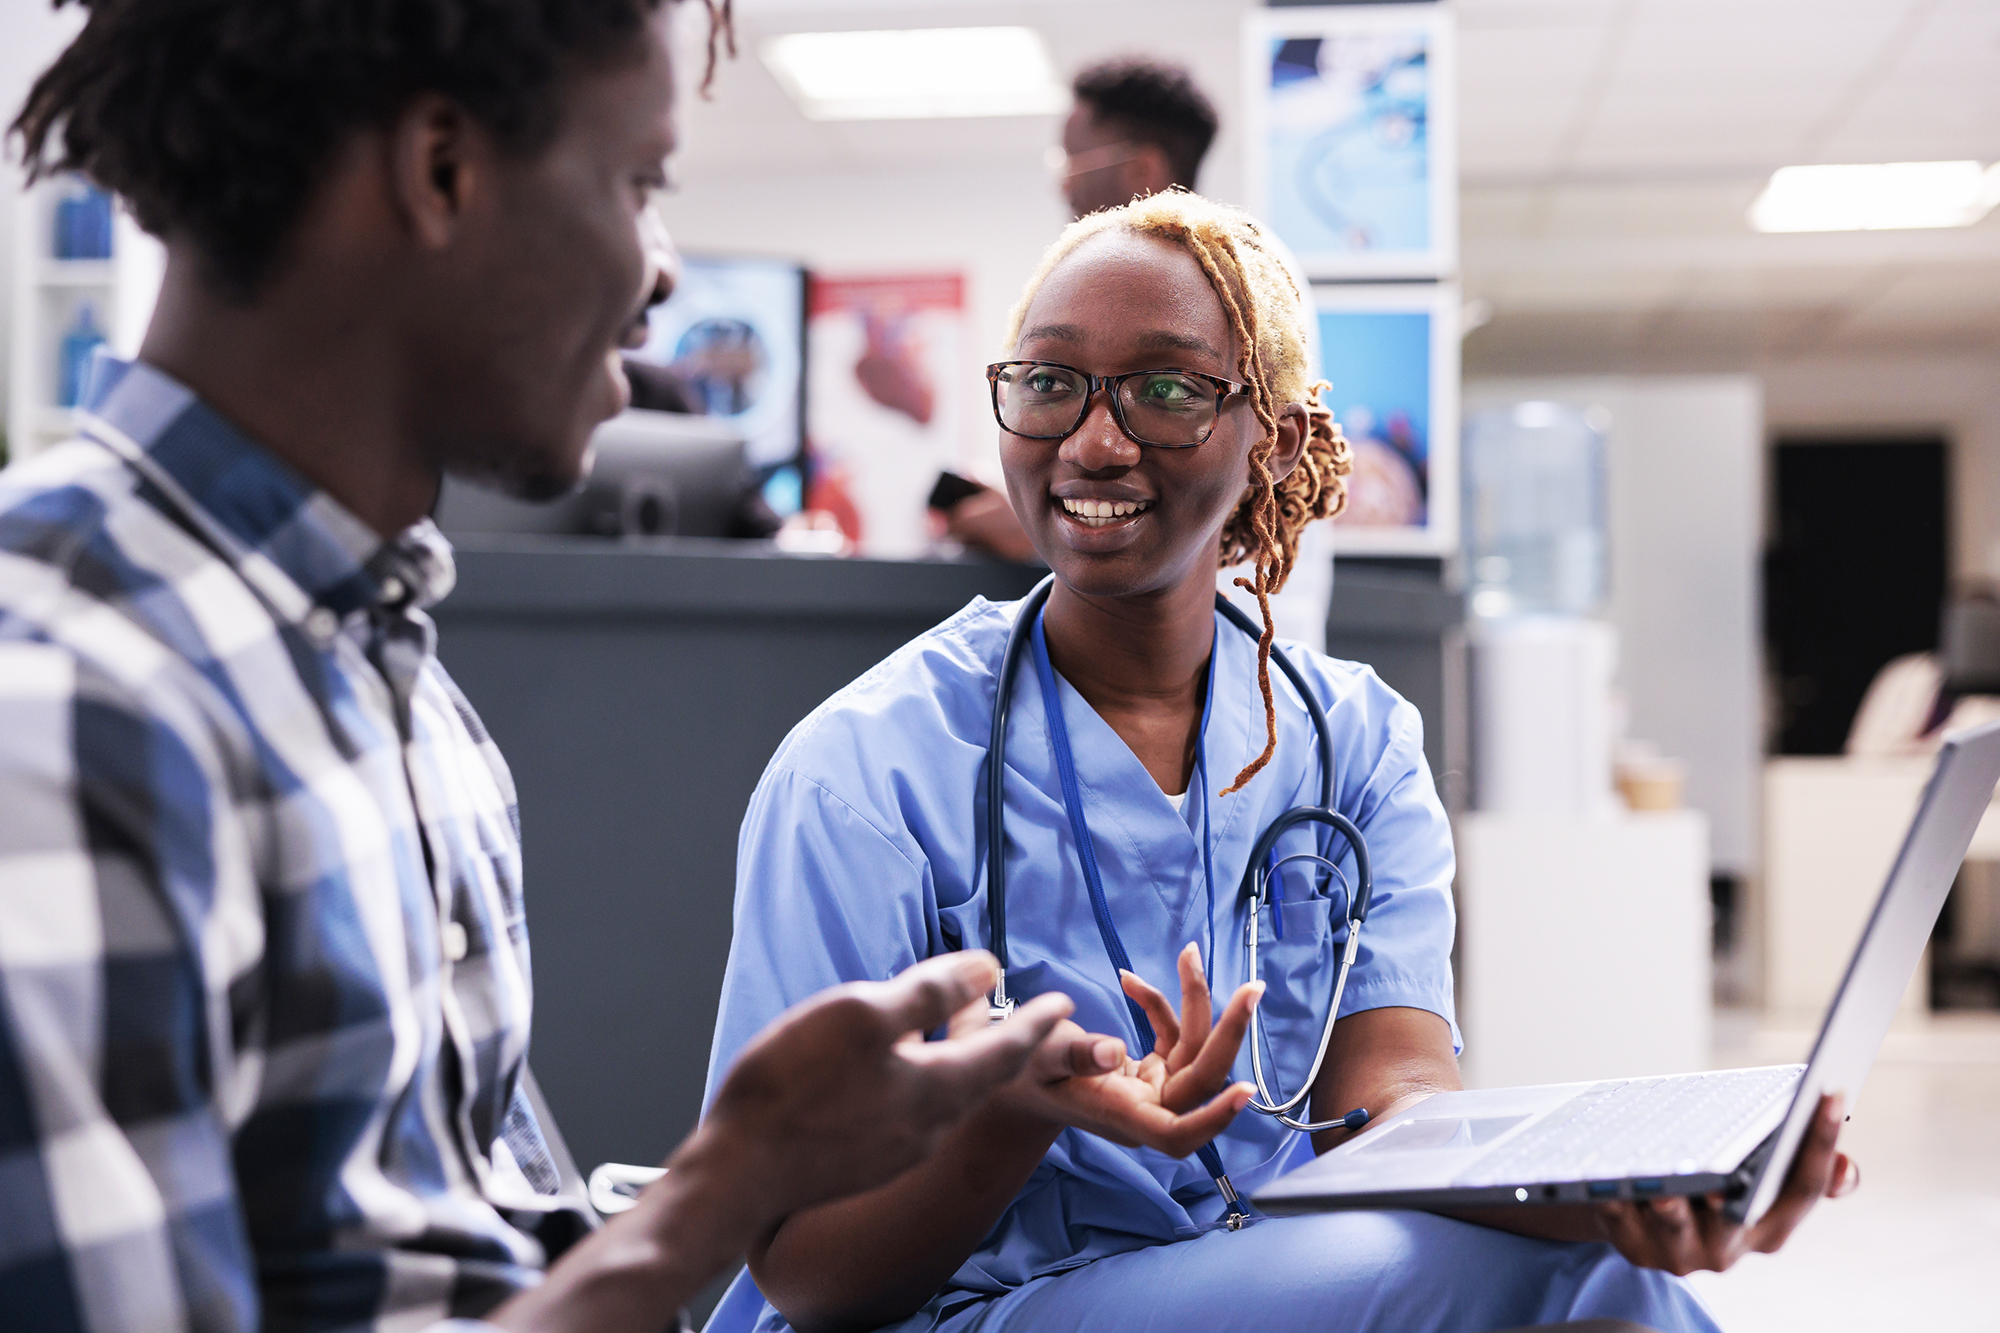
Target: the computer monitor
(734, 334)
(655, 474)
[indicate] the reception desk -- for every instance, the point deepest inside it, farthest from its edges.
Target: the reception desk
(638, 691)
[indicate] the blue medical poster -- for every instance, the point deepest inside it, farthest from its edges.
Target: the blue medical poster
(1379, 364)
(1351, 150)
(1389, 352)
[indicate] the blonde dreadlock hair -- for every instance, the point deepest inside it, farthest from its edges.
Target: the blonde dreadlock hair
(1266, 312)
(721, 33)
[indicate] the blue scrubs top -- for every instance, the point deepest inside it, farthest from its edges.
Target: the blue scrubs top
(863, 851)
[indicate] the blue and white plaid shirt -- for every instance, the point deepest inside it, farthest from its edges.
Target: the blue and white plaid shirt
(264, 990)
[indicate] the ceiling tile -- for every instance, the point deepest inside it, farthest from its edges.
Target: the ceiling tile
(1959, 41)
(1500, 212)
(1922, 114)
(1944, 292)
(1805, 288)
(1532, 63)
(1576, 289)
(1696, 208)
(1480, 15)
(1747, 55)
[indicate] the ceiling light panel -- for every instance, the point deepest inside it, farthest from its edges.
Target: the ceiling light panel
(1885, 196)
(917, 73)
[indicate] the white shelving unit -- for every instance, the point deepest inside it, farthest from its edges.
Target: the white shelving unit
(48, 292)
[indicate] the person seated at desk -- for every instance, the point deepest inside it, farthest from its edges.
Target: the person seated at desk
(1155, 424)
(264, 984)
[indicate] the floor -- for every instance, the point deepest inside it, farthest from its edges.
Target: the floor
(1918, 1246)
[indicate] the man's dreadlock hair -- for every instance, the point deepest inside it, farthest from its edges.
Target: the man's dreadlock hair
(214, 118)
(1266, 313)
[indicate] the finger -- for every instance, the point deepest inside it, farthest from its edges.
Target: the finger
(1197, 1008)
(1809, 1179)
(1846, 1177)
(1676, 1234)
(969, 1066)
(1211, 1065)
(926, 995)
(1628, 1233)
(1093, 1054)
(1166, 1027)
(1179, 1135)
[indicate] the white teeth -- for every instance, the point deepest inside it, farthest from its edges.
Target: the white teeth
(1097, 513)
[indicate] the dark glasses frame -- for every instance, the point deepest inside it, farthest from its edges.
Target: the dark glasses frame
(1224, 391)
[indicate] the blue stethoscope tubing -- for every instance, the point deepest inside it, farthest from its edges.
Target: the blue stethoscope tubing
(1258, 875)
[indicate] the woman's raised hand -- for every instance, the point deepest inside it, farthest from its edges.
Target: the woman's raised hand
(1192, 1054)
(1175, 1099)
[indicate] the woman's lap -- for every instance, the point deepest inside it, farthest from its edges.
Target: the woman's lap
(1344, 1273)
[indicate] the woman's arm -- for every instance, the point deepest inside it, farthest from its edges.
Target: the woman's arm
(1380, 1060)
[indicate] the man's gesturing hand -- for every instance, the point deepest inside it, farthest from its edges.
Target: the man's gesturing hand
(842, 1093)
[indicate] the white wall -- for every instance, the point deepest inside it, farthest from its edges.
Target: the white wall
(1685, 476)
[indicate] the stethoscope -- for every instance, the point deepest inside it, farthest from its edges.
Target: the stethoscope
(1259, 875)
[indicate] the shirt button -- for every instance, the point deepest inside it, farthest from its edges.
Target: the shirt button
(456, 942)
(322, 625)
(393, 589)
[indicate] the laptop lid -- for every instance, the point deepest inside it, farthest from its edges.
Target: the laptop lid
(1961, 786)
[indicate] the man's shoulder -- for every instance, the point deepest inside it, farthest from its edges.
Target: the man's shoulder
(54, 505)
(92, 571)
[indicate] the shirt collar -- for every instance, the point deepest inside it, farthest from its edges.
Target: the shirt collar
(296, 542)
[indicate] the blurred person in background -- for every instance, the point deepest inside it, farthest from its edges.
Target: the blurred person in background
(264, 966)
(1138, 127)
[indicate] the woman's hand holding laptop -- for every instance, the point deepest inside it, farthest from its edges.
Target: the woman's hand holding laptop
(1686, 1235)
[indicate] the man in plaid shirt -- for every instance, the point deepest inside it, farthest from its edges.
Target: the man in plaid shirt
(264, 985)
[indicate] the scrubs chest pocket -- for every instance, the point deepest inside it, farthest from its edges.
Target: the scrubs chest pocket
(1298, 969)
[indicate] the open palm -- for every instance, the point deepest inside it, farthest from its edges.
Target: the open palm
(1175, 1099)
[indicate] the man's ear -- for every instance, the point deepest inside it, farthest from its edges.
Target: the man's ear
(1294, 429)
(438, 159)
(1147, 171)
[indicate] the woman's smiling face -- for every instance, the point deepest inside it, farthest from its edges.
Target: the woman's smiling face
(1111, 517)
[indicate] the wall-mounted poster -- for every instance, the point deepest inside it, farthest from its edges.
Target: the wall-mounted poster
(1390, 352)
(882, 416)
(1351, 137)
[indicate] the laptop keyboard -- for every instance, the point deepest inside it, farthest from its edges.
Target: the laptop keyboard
(1637, 1127)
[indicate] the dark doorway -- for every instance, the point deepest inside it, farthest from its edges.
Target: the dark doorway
(1855, 575)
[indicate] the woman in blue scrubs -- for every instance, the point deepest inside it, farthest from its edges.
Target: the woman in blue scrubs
(1071, 1200)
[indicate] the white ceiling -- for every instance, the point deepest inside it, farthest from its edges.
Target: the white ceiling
(1611, 147)
(1609, 151)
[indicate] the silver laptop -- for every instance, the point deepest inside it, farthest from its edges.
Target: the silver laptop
(1734, 1131)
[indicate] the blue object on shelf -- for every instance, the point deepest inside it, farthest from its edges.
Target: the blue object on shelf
(74, 356)
(83, 224)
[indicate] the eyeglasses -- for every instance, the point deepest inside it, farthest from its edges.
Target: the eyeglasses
(1167, 409)
(1064, 165)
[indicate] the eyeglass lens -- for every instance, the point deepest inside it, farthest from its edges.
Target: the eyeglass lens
(1158, 407)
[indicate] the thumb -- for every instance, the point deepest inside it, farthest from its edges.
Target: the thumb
(926, 995)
